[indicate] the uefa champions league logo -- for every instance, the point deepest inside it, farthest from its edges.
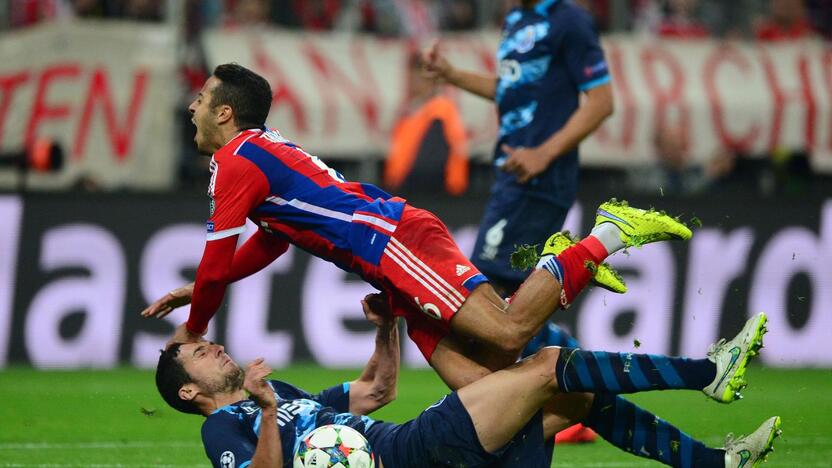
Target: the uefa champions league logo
(227, 459)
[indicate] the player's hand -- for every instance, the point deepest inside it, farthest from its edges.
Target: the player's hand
(377, 310)
(434, 64)
(183, 335)
(255, 383)
(525, 163)
(176, 298)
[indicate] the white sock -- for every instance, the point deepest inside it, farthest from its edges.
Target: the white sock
(609, 235)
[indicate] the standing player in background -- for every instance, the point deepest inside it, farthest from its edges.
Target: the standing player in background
(548, 56)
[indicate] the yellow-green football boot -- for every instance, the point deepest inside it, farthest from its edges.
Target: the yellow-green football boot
(604, 275)
(639, 227)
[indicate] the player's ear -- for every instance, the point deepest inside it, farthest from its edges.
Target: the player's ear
(188, 392)
(225, 114)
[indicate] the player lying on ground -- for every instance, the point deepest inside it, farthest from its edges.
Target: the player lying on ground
(464, 429)
(404, 251)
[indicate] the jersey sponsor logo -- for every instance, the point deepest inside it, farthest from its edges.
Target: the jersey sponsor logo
(429, 309)
(227, 460)
(516, 119)
(462, 269)
(597, 68)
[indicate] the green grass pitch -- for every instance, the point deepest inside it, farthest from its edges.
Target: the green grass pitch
(116, 419)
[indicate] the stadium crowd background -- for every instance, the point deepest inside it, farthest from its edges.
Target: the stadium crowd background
(784, 170)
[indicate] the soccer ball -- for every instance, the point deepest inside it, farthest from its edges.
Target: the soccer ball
(334, 446)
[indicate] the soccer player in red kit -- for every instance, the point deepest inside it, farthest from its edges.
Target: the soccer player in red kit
(463, 328)
(405, 251)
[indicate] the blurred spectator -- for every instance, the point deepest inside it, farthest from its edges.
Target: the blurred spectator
(248, 13)
(600, 10)
(417, 19)
(143, 10)
(673, 174)
(428, 148)
(458, 15)
(820, 11)
(680, 21)
(24, 13)
(312, 15)
(88, 8)
(787, 20)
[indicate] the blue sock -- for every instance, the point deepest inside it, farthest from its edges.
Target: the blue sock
(639, 432)
(602, 372)
(550, 335)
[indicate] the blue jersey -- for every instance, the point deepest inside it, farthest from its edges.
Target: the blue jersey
(549, 54)
(441, 436)
(230, 433)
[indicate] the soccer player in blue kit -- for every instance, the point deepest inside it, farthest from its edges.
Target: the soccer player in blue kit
(462, 430)
(550, 54)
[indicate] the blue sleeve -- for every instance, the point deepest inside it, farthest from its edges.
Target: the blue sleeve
(584, 57)
(337, 397)
(226, 441)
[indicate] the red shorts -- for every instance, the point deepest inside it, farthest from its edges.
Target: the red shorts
(426, 277)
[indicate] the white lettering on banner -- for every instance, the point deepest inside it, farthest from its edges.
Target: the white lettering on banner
(327, 301)
(790, 252)
(167, 253)
(99, 296)
(329, 90)
(707, 283)
(649, 297)
(11, 211)
(251, 302)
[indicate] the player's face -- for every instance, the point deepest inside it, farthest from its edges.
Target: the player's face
(204, 117)
(209, 366)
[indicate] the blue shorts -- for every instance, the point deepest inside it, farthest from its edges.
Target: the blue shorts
(513, 218)
(444, 435)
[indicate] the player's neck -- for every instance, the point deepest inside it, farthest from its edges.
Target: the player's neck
(228, 134)
(217, 401)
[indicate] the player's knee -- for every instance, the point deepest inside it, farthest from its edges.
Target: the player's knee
(512, 342)
(544, 363)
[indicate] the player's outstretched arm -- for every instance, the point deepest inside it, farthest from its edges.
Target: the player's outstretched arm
(170, 301)
(437, 67)
(256, 253)
(269, 452)
(376, 386)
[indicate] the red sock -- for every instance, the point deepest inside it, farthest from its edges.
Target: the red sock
(596, 249)
(576, 273)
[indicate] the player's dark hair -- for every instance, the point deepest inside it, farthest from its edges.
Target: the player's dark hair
(170, 377)
(246, 92)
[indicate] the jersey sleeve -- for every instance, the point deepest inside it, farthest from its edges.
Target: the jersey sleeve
(584, 57)
(226, 442)
(337, 397)
(237, 186)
